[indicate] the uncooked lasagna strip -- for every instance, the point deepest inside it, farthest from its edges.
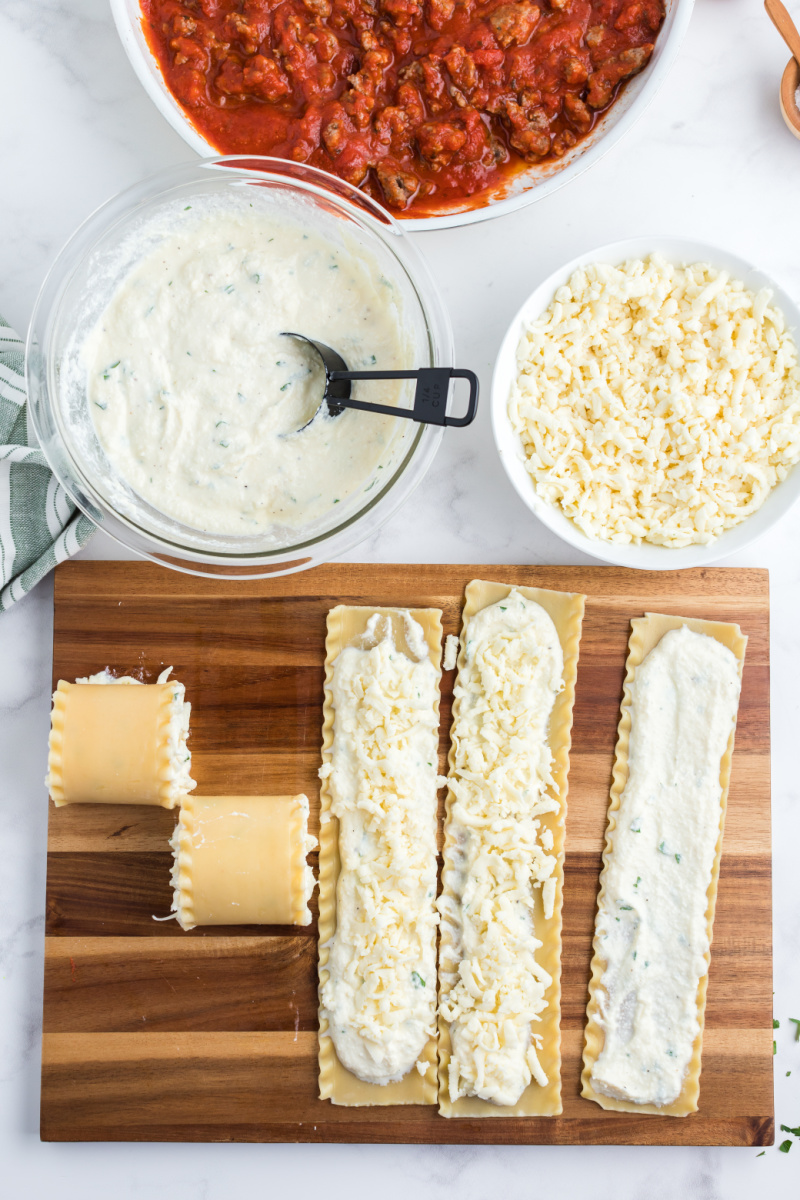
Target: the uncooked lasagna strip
(503, 857)
(661, 866)
(378, 913)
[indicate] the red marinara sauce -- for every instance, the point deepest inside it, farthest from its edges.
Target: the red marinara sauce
(423, 103)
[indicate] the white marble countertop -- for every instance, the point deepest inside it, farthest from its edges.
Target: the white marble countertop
(711, 159)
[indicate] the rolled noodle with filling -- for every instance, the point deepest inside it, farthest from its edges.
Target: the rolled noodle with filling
(115, 740)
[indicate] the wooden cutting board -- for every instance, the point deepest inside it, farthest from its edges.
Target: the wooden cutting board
(155, 1034)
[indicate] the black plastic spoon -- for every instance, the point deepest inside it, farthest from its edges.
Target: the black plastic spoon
(430, 397)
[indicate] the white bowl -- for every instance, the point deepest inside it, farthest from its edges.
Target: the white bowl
(530, 185)
(645, 557)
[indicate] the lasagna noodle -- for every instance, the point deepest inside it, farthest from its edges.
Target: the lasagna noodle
(566, 611)
(123, 744)
(346, 627)
(646, 633)
(241, 860)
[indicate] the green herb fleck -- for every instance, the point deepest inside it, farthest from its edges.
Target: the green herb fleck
(99, 405)
(372, 359)
(503, 608)
(774, 1047)
(116, 364)
(796, 1022)
(636, 826)
(336, 502)
(761, 1155)
(775, 1024)
(638, 880)
(220, 423)
(230, 288)
(188, 206)
(785, 1147)
(256, 278)
(788, 1073)
(285, 385)
(626, 907)
(225, 445)
(677, 858)
(788, 1129)
(418, 980)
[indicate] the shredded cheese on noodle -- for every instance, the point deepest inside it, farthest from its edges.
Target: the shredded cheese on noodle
(493, 988)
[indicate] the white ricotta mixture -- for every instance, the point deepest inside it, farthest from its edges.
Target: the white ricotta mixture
(493, 988)
(196, 397)
(380, 997)
(651, 923)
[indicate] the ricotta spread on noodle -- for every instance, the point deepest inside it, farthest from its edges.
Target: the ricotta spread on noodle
(380, 996)
(196, 397)
(652, 927)
(496, 854)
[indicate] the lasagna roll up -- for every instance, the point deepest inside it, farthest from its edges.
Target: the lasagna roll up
(120, 744)
(241, 860)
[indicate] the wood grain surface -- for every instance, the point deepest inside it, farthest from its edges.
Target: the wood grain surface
(155, 1034)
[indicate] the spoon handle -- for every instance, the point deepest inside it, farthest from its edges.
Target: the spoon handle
(784, 25)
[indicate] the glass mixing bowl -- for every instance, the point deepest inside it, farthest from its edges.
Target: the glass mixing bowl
(80, 285)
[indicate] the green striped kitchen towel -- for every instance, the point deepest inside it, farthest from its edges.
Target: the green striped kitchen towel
(39, 524)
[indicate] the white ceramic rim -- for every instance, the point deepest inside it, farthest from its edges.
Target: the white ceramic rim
(644, 557)
(623, 116)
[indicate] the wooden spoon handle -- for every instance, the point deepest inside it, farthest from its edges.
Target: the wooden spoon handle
(784, 25)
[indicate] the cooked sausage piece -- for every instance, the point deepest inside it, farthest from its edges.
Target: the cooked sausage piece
(603, 83)
(514, 23)
(398, 186)
(438, 141)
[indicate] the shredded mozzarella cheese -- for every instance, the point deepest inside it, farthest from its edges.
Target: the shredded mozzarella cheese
(657, 403)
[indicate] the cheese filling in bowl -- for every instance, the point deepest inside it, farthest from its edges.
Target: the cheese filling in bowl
(168, 399)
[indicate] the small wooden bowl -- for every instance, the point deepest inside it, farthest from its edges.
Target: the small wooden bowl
(789, 85)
